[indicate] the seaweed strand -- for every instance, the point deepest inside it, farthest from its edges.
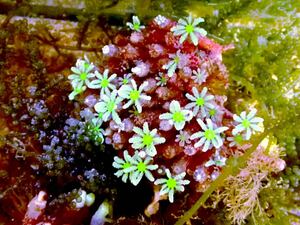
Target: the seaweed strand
(233, 165)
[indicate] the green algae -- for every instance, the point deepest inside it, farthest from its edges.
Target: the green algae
(264, 71)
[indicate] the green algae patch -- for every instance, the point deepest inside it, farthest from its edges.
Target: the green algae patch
(264, 70)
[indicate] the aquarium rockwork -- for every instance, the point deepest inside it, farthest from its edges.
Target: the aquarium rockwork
(154, 112)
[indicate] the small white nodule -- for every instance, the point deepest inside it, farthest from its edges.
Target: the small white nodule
(105, 50)
(142, 154)
(137, 70)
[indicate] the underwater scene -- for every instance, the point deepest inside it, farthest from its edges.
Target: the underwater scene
(159, 112)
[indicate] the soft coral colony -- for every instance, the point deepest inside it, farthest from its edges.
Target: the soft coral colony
(159, 100)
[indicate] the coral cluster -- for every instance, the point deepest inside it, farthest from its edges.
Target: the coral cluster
(158, 98)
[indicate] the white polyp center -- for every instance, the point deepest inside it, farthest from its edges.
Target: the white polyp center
(105, 50)
(142, 154)
(137, 70)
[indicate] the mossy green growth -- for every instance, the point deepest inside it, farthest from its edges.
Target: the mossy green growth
(277, 199)
(264, 71)
(264, 67)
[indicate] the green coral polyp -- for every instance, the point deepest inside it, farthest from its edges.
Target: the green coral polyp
(171, 183)
(135, 25)
(141, 167)
(111, 106)
(126, 165)
(212, 112)
(86, 65)
(178, 117)
(134, 95)
(246, 123)
(176, 59)
(189, 28)
(238, 139)
(83, 76)
(100, 115)
(147, 140)
(200, 101)
(104, 83)
(209, 134)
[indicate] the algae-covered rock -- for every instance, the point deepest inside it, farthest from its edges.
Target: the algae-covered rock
(56, 148)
